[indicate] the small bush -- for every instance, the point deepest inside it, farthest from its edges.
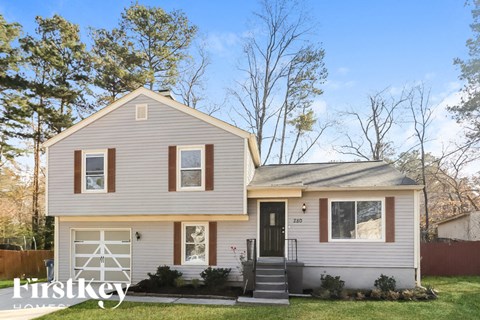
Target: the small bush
(215, 277)
(164, 277)
(407, 295)
(332, 284)
(195, 283)
(392, 295)
(179, 282)
(385, 283)
(376, 294)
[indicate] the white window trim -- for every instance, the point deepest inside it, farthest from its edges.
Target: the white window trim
(179, 168)
(105, 169)
(136, 111)
(207, 236)
(330, 239)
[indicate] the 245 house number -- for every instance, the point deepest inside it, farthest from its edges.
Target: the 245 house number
(295, 220)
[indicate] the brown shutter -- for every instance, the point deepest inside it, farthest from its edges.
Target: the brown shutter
(77, 171)
(209, 167)
(177, 243)
(111, 170)
(324, 220)
(390, 219)
(212, 243)
(172, 168)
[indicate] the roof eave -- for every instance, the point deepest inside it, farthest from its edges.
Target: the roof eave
(346, 188)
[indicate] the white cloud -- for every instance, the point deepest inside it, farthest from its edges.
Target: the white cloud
(336, 85)
(319, 106)
(343, 70)
(223, 43)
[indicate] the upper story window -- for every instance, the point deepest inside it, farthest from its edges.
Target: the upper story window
(191, 171)
(361, 220)
(94, 173)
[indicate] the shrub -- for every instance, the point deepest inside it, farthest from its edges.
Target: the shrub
(385, 283)
(376, 294)
(164, 277)
(215, 277)
(332, 284)
(195, 283)
(407, 294)
(392, 295)
(179, 282)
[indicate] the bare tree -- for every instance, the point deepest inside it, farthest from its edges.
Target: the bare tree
(421, 112)
(191, 82)
(373, 142)
(283, 71)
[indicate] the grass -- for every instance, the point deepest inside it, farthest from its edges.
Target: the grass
(459, 299)
(9, 283)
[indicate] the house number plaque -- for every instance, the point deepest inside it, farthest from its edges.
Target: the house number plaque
(296, 220)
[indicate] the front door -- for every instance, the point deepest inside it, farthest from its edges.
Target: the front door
(272, 229)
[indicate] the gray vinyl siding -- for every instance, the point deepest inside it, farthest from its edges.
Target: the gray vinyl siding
(142, 167)
(155, 248)
(349, 254)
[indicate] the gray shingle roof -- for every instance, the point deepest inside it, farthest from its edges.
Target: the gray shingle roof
(330, 175)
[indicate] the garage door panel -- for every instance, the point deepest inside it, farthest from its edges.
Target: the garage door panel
(83, 235)
(81, 248)
(117, 235)
(92, 262)
(117, 248)
(123, 263)
(120, 276)
(88, 274)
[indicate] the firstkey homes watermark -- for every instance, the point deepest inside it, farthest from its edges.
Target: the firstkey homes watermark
(55, 291)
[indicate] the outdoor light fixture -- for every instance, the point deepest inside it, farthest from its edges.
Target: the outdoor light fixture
(304, 208)
(137, 235)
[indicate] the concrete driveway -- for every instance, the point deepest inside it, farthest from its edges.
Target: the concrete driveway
(27, 307)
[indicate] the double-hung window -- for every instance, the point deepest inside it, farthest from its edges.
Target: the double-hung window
(195, 243)
(357, 220)
(94, 172)
(191, 171)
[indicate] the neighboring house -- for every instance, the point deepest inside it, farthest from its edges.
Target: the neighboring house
(148, 181)
(465, 226)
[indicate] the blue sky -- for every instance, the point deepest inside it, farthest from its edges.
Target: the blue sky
(370, 45)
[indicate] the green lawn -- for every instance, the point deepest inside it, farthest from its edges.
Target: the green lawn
(9, 283)
(459, 299)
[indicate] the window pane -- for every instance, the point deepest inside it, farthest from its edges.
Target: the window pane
(369, 219)
(95, 182)
(191, 159)
(191, 178)
(195, 253)
(343, 220)
(94, 164)
(195, 234)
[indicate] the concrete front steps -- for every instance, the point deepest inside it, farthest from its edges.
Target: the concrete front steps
(271, 279)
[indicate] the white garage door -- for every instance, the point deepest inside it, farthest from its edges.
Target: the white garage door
(103, 255)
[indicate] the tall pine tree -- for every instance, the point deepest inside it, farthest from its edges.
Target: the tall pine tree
(57, 89)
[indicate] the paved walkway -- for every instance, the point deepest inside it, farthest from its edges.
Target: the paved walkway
(29, 308)
(221, 302)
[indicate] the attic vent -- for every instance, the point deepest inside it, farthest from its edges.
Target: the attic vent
(141, 112)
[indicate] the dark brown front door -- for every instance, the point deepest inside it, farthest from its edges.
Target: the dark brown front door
(272, 229)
